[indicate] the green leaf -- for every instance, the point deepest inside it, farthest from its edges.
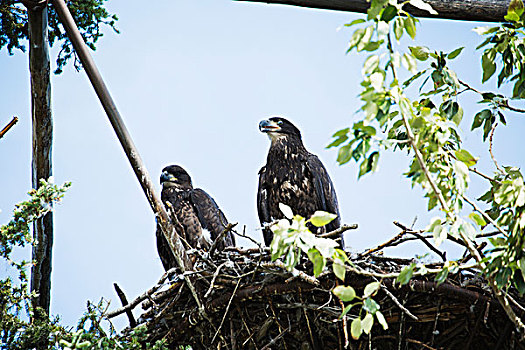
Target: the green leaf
(478, 219)
(367, 323)
(370, 64)
(420, 4)
(356, 329)
(399, 25)
(514, 11)
(371, 289)
(389, 13)
(345, 293)
(369, 164)
(488, 65)
(381, 320)
(410, 26)
(346, 310)
(339, 270)
(344, 155)
(480, 118)
(406, 274)
(420, 52)
(286, 210)
(355, 21)
(321, 218)
(376, 80)
(441, 276)
(338, 141)
(341, 132)
(455, 53)
(370, 305)
(317, 260)
(466, 157)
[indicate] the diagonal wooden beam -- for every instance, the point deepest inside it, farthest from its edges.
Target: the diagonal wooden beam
(465, 10)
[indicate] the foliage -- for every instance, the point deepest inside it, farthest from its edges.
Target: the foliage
(15, 299)
(22, 326)
(428, 128)
(89, 15)
(292, 236)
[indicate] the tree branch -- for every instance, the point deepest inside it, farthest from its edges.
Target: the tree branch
(8, 126)
(465, 10)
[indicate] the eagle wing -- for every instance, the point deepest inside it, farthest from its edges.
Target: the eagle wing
(262, 206)
(166, 257)
(211, 217)
(325, 192)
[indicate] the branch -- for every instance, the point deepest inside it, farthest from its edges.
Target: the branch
(142, 297)
(8, 126)
(338, 231)
(219, 238)
(498, 103)
(485, 215)
(124, 301)
(465, 10)
(443, 255)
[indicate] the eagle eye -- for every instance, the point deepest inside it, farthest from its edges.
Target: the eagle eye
(279, 122)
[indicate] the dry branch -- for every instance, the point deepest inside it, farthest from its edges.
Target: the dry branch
(8, 126)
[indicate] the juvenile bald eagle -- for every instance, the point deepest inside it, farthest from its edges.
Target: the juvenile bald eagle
(197, 215)
(292, 176)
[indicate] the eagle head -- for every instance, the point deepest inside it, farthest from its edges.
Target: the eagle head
(277, 127)
(175, 176)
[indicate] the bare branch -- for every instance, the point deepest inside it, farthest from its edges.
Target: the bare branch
(8, 126)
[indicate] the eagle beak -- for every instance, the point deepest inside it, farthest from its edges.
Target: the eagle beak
(165, 177)
(268, 126)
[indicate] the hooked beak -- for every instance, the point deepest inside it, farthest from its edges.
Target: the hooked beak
(268, 126)
(165, 177)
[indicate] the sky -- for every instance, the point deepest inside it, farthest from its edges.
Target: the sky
(192, 80)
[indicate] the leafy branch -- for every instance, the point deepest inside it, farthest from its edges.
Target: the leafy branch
(428, 129)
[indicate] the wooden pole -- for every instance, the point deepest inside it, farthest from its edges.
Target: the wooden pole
(42, 149)
(465, 10)
(122, 133)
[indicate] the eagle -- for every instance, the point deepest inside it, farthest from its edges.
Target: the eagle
(293, 176)
(195, 215)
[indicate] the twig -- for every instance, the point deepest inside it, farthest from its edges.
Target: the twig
(226, 311)
(500, 104)
(443, 255)
(486, 177)
(8, 126)
(219, 238)
(383, 245)
(300, 274)
(124, 301)
(338, 231)
(396, 301)
(274, 340)
(142, 297)
(491, 136)
(485, 215)
(214, 278)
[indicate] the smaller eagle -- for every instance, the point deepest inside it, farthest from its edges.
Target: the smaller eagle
(195, 215)
(293, 176)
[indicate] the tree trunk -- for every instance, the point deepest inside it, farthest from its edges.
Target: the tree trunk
(42, 145)
(466, 10)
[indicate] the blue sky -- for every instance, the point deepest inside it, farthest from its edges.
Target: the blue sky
(192, 80)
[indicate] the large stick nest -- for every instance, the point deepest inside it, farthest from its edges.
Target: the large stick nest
(251, 303)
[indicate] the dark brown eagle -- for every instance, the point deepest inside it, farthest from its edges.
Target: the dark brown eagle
(198, 218)
(292, 176)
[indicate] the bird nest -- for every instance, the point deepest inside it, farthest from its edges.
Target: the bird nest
(243, 300)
